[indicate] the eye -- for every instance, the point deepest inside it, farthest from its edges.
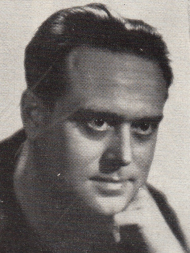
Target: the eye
(98, 124)
(144, 128)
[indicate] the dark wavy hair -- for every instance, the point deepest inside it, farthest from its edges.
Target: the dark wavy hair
(93, 25)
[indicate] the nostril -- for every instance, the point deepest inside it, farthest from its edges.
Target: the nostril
(109, 166)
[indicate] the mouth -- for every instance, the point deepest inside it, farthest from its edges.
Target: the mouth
(111, 185)
(113, 179)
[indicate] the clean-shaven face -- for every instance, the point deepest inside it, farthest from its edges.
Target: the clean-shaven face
(103, 132)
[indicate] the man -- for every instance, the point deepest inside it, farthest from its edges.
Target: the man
(74, 180)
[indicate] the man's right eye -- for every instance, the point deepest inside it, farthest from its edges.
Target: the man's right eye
(98, 124)
(94, 121)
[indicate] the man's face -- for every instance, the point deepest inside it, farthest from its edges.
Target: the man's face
(102, 135)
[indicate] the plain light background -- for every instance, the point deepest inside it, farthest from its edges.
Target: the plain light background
(170, 171)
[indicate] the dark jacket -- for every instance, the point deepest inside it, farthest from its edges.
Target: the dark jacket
(16, 236)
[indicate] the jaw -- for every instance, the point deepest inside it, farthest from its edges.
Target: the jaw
(106, 202)
(110, 206)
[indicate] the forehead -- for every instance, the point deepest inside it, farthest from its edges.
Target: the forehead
(103, 80)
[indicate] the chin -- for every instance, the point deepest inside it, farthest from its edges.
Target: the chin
(109, 206)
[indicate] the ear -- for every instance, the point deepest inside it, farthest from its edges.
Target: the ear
(35, 115)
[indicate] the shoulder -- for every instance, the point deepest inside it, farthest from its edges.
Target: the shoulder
(168, 213)
(9, 148)
(15, 233)
(163, 204)
(12, 143)
(8, 151)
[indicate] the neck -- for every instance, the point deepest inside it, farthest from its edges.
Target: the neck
(58, 217)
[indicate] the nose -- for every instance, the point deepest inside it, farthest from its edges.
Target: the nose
(119, 151)
(124, 144)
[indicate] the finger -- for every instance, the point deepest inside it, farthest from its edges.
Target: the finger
(138, 208)
(143, 197)
(128, 217)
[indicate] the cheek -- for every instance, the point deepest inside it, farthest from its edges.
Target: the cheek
(143, 155)
(80, 150)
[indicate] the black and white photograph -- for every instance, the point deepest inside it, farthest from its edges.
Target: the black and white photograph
(95, 126)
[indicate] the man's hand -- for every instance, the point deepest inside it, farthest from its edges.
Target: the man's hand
(144, 212)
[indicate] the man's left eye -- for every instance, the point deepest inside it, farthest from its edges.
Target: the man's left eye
(98, 124)
(144, 128)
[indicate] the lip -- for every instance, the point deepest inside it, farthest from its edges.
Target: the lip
(112, 179)
(111, 185)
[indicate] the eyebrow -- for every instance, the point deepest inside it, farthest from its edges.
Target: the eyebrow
(89, 113)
